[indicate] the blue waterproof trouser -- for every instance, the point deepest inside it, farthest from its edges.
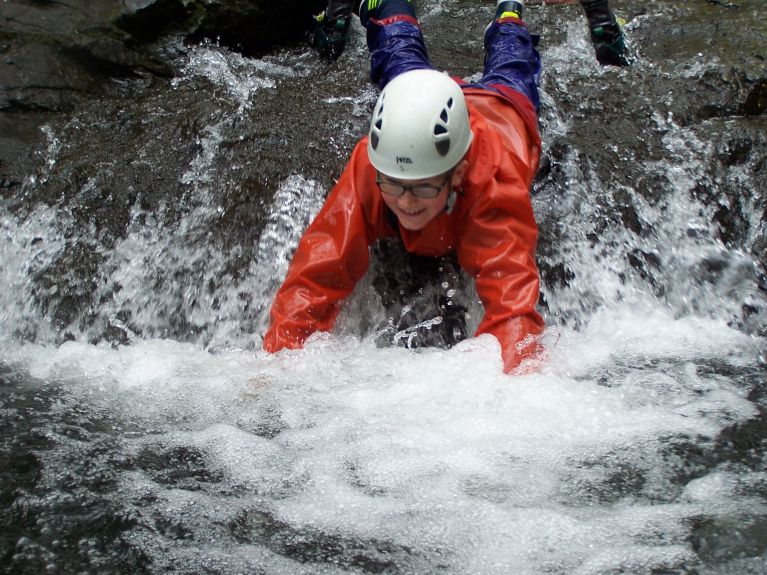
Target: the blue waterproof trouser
(396, 45)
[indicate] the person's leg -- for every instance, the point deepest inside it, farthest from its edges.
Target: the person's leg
(394, 39)
(606, 35)
(331, 32)
(511, 59)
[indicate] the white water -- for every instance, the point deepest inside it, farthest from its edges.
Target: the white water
(436, 452)
(433, 460)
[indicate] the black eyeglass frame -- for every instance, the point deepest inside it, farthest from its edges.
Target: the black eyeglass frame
(423, 191)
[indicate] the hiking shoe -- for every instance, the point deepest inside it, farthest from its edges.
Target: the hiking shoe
(610, 44)
(506, 9)
(332, 29)
(509, 9)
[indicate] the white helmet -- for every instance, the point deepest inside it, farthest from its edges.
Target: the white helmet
(420, 126)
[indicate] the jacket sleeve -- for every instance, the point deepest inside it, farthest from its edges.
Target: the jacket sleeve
(498, 249)
(331, 258)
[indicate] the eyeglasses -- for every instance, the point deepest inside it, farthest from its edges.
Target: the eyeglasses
(418, 190)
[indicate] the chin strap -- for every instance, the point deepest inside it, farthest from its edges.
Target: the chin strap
(451, 199)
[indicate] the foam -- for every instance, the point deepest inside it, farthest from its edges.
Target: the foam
(434, 451)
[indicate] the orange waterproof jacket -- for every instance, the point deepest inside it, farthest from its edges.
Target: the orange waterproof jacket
(491, 228)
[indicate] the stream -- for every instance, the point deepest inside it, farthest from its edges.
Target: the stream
(144, 430)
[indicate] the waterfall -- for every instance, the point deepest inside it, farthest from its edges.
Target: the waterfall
(144, 430)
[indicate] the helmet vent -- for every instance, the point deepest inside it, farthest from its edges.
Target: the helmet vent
(374, 137)
(441, 134)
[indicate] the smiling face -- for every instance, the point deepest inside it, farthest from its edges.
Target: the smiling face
(413, 211)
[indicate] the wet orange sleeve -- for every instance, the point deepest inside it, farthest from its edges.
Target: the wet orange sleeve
(331, 258)
(498, 250)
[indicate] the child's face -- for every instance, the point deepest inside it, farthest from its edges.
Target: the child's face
(412, 211)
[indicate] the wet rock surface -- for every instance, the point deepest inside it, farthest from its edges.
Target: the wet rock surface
(58, 56)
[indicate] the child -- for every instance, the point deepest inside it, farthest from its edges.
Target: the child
(446, 167)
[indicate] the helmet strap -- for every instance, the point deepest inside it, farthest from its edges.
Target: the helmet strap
(451, 198)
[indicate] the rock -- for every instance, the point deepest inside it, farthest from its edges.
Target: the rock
(55, 54)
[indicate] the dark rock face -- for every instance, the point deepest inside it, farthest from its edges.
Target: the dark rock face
(54, 55)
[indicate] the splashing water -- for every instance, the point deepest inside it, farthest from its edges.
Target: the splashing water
(344, 452)
(622, 453)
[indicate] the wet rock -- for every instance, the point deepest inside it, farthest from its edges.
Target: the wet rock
(700, 72)
(55, 55)
(50, 49)
(756, 101)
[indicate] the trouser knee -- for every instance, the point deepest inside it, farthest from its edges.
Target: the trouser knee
(511, 59)
(396, 45)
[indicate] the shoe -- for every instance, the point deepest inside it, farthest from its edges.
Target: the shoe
(609, 44)
(509, 9)
(331, 32)
(506, 9)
